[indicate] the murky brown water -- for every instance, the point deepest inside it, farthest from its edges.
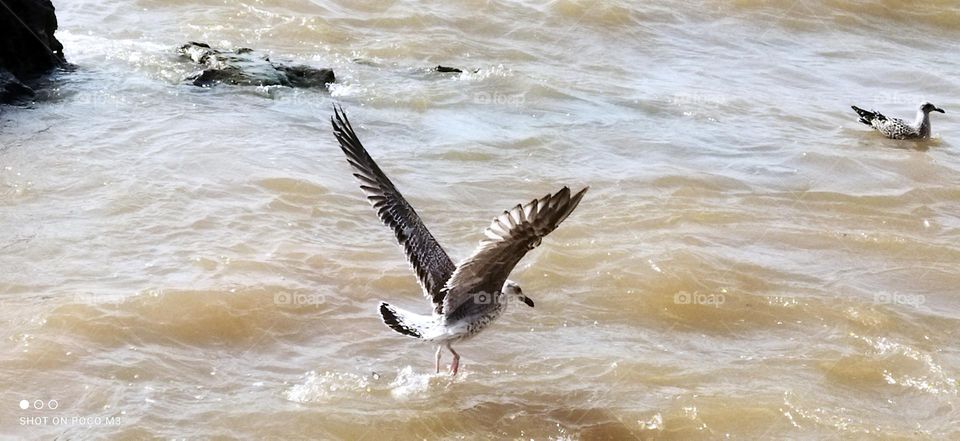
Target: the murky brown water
(750, 262)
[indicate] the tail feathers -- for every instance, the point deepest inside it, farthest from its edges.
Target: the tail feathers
(401, 321)
(867, 116)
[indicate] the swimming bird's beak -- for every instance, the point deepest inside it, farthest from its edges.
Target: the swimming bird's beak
(527, 300)
(937, 109)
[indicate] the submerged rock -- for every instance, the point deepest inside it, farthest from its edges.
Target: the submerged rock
(28, 48)
(246, 68)
(11, 89)
(448, 69)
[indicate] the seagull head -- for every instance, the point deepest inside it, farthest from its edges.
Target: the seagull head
(512, 290)
(928, 107)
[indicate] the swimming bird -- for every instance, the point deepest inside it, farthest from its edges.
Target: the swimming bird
(896, 128)
(465, 298)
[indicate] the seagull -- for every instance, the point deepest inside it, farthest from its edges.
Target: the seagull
(465, 298)
(896, 128)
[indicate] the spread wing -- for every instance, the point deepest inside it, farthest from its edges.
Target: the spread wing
(431, 263)
(508, 238)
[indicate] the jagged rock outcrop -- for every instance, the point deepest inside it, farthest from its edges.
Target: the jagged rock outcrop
(246, 68)
(28, 48)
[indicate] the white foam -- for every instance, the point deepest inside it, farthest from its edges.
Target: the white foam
(321, 387)
(483, 73)
(410, 384)
(338, 90)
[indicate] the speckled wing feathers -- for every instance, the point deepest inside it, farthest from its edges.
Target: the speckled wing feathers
(508, 238)
(428, 259)
(895, 128)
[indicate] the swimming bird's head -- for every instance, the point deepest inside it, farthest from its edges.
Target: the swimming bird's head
(928, 107)
(512, 290)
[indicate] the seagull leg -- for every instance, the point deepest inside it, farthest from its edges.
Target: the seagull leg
(439, 349)
(455, 366)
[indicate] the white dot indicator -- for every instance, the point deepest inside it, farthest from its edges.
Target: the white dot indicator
(24, 404)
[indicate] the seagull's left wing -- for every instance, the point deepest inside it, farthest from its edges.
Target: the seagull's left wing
(509, 238)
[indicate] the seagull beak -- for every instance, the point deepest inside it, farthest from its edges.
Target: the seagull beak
(939, 110)
(527, 300)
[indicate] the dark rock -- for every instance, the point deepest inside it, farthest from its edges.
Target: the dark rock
(11, 89)
(28, 47)
(306, 76)
(243, 67)
(447, 69)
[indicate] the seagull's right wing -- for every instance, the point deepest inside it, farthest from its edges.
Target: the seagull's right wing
(431, 263)
(509, 238)
(895, 128)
